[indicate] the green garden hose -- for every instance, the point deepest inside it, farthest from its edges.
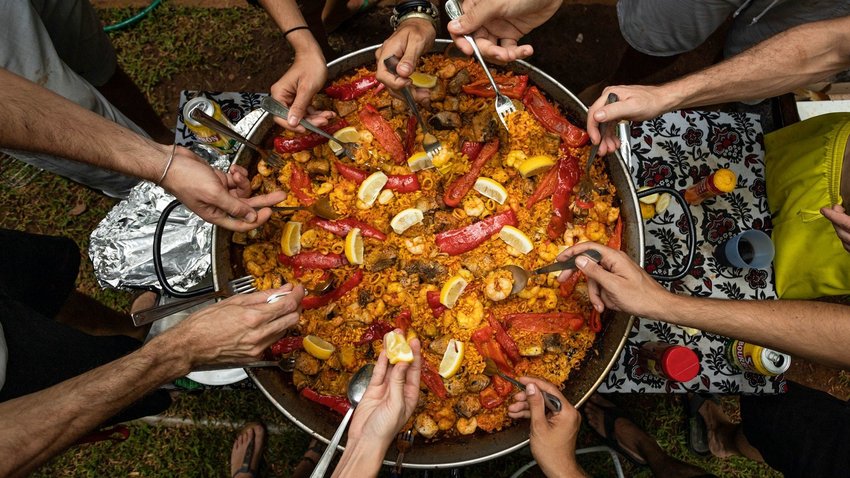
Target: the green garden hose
(132, 20)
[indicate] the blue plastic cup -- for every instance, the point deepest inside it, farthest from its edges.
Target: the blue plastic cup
(750, 249)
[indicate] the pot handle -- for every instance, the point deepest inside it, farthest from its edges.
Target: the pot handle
(157, 258)
(691, 236)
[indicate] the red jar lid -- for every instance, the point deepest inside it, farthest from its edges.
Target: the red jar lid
(680, 363)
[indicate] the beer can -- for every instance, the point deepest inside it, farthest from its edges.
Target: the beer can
(673, 362)
(201, 132)
(756, 359)
(717, 183)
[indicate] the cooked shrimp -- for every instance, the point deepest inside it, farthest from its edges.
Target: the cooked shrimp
(549, 298)
(473, 206)
(498, 285)
(594, 230)
(445, 418)
(324, 188)
(260, 258)
(469, 316)
(264, 169)
(448, 70)
(467, 426)
(415, 245)
(301, 156)
(395, 295)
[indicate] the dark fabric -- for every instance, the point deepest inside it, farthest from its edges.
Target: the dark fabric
(802, 433)
(37, 276)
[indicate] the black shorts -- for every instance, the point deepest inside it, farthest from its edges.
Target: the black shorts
(803, 433)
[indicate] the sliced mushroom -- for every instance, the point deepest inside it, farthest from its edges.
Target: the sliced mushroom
(445, 120)
(428, 272)
(379, 259)
(484, 126)
(455, 386)
(468, 405)
(477, 383)
(307, 364)
(440, 344)
(552, 343)
(456, 84)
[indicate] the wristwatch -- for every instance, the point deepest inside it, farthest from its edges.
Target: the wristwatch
(423, 9)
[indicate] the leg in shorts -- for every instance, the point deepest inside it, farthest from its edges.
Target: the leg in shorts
(802, 433)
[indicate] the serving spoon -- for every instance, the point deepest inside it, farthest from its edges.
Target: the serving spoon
(356, 388)
(520, 275)
(551, 401)
(321, 208)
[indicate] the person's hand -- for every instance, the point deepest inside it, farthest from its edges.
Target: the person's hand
(238, 329)
(497, 26)
(412, 38)
(616, 282)
(840, 221)
(553, 437)
(635, 103)
(218, 198)
(297, 87)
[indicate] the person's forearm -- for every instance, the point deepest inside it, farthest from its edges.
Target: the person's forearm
(798, 57)
(287, 15)
(360, 459)
(816, 331)
(36, 119)
(35, 427)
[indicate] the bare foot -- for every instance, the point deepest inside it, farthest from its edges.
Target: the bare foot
(721, 430)
(247, 451)
(628, 435)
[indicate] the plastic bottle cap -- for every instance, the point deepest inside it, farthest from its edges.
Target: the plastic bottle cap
(725, 180)
(680, 363)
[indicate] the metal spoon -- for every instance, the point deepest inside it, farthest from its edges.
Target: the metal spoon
(201, 117)
(521, 275)
(322, 208)
(281, 111)
(551, 401)
(356, 389)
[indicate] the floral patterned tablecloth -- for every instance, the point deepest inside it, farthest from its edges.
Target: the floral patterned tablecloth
(677, 150)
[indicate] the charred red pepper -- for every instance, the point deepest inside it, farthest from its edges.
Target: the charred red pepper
(545, 187)
(568, 286)
(334, 402)
(313, 260)
(403, 320)
(552, 120)
(352, 90)
(287, 345)
(490, 398)
(616, 239)
(402, 183)
(464, 239)
(410, 136)
(460, 186)
(299, 184)
(594, 322)
(584, 204)
(313, 301)
(433, 381)
(437, 308)
(488, 347)
(383, 132)
(375, 331)
(511, 86)
(504, 340)
(350, 172)
(306, 141)
(340, 227)
(545, 322)
(568, 175)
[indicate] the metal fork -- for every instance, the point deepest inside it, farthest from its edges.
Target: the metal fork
(404, 442)
(504, 105)
(430, 143)
(282, 111)
(201, 117)
(585, 187)
(242, 285)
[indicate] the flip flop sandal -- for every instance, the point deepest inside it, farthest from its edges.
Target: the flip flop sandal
(308, 463)
(697, 437)
(248, 456)
(610, 416)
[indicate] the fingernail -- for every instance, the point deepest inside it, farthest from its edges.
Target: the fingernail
(454, 25)
(251, 216)
(404, 68)
(598, 308)
(292, 120)
(600, 115)
(531, 389)
(581, 262)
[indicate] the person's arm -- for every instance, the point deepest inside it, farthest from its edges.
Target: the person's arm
(797, 57)
(816, 331)
(308, 72)
(35, 427)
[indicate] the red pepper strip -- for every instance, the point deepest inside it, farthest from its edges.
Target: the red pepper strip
(490, 398)
(433, 297)
(471, 149)
(340, 227)
(350, 172)
(334, 402)
(504, 340)
(568, 175)
(616, 239)
(313, 260)
(510, 86)
(433, 381)
(552, 120)
(402, 183)
(375, 331)
(287, 345)
(488, 347)
(458, 241)
(546, 322)
(460, 186)
(502, 386)
(383, 132)
(568, 286)
(299, 184)
(313, 301)
(352, 90)
(583, 204)
(306, 141)
(546, 186)
(410, 136)
(403, 321)
(594, 322)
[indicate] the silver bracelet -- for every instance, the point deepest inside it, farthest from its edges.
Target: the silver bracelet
(167, 165)
(423, 16)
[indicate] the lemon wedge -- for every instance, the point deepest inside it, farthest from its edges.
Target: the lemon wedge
(535, 165)
(318, 348)
(647, 211)
(423, 80)
(663, 202)
(349, 134)
(492, 189)
(452, 290)
(371, 187)
(354, 246)
(397, 348)
(419, 161)
(452, 359)
(290, 238)
(516, 239)
(406, 219)
(650, 199)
